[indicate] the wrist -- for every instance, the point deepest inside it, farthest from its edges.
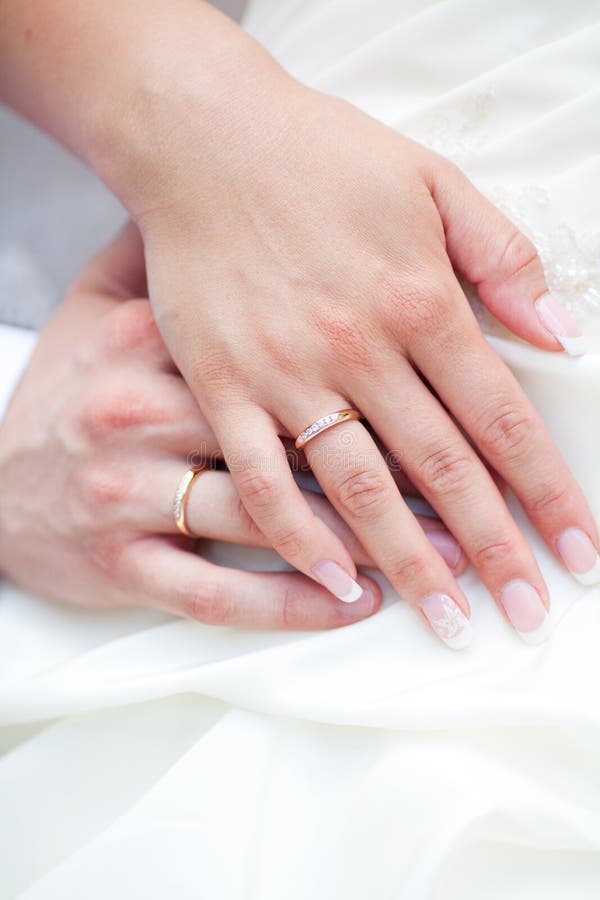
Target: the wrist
(131, 86)
(185, 106)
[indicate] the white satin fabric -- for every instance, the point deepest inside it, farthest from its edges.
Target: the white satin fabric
(16, 347)
(149, 758)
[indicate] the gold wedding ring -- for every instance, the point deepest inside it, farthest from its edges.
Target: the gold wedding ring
(180, 500)
(334, 418)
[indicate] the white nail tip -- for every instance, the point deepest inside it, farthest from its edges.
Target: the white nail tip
(353, 594)
(539, 635)
(591, 577)
(447, 621)
(557, 320)
(463, 639)
(575, 346)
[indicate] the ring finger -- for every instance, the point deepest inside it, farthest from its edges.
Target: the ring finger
(214, 511)
(358, 482)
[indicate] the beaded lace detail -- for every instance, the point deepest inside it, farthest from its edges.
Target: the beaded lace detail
(570, 255)
(458, 130)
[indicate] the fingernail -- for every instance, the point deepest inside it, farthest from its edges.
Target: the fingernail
(561, 324)
(524, 608)
(446, 546)
(448, 620)
(335, 579)
(579, 556)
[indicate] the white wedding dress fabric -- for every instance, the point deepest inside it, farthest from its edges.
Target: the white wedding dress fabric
(149, 757)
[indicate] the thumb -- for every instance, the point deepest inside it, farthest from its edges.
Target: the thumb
(490, 252)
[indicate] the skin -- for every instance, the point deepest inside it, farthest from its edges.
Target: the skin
(302, 257)
(103, 409)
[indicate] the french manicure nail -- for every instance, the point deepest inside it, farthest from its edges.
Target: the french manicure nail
(335, 579)
(579, 555)
(524, 608)
(447, 620)
(561, 324)
(446, 546)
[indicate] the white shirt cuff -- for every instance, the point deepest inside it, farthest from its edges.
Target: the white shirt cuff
(16, 347)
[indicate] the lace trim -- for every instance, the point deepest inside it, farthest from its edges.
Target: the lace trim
(459, 130)
(570, 255)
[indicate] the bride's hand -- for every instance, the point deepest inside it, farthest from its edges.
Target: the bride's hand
(300, 260)
(91, 452)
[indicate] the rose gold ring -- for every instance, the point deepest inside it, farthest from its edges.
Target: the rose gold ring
(180, 500)
(334, 418)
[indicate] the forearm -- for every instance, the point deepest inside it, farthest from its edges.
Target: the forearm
(114, 81)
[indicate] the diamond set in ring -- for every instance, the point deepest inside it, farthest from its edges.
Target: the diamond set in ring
(181, 498)
(319, 425)
(178, 500)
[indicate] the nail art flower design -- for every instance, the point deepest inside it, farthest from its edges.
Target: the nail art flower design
(447, 620)
(452, 622)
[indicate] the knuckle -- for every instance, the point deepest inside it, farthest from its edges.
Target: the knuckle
(295, 611)
(248, 526)
(548, 497)
(440, 298)
(129, 326)
(409, 570)
(102, 487)
(258, 489)
(446, 470)
(108, 412)
(344, 331)
(362, 493)
(496, 551)
(416, 302)
(518, 252)
(509, 431)
(205, 602)
(107, 552)
(216, 369)
(292, 541)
